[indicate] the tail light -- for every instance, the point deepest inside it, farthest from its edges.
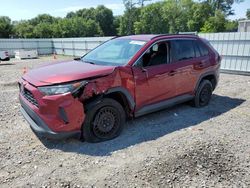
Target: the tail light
(220, 58)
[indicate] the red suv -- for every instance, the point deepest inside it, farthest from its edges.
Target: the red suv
(130, 76)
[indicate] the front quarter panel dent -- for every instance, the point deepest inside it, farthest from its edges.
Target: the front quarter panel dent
(100, 85)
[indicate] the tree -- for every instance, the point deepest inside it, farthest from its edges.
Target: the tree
(117, 22)
(76, 27)
(231, 26)
(223, 5)
(105, 18)
(23, 29)
(199, 13)
(43, 30)
(87, 14)
(42, 18)
(141, 2)
(248, 14)
(131, 15)
(215, 23)
(169, 16)
(176, 14)
(5, 27)
(101, 15)
(151, 20)
(127, 21)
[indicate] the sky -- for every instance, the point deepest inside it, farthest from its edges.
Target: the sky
(26, 9)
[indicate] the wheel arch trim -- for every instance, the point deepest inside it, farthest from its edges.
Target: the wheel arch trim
(210, 73)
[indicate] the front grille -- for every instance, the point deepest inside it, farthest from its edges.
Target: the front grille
(29, 96)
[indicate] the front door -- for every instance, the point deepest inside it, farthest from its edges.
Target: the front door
(154, 76)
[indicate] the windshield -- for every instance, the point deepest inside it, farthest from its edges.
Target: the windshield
(114, 52)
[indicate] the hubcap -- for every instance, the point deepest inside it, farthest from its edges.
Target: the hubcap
(205, 95)
(105, 123)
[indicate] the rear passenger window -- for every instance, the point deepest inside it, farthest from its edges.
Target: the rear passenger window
(183, 49)
(203, 49)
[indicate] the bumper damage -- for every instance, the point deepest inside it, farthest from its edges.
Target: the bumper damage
(41, 128)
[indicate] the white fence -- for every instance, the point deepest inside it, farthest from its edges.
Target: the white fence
(234, 47)
(43, 46)
(76, 46)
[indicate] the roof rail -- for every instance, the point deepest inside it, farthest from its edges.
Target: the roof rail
(162, 35)
(188, 33)
(180, 33)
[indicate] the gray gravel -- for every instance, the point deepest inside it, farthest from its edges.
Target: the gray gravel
(178, 147)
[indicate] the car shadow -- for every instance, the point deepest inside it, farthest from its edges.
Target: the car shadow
(150, 127)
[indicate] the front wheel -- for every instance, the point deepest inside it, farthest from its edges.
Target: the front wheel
(203, 94)
(104, 121)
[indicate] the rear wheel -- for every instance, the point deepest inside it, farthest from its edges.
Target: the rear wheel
(104, 121)
(203, 94)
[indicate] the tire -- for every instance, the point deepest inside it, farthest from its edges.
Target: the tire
(203, 94)
(104, 120)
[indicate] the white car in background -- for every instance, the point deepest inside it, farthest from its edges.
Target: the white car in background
(4, 56)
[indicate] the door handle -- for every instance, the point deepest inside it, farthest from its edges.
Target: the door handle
(201, 64)
(172, 73)
(146, 71)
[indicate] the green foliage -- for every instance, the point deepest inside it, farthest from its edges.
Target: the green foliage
(248, 14)
(43, 30)
(5, 27)
(24, 29)
(101, 15)
(199, 13)
(224, 6)
(215, 23)
(128, 20)
(151, 20)
(105, 18)
(168, 16)
(76, 27)
(231, 26)
(176, 14)
(42, 18)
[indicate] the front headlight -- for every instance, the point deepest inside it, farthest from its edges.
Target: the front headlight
(61, 89)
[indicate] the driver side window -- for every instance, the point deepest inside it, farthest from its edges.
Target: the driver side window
(156, 55)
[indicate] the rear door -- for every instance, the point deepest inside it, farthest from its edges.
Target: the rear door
(184, 59)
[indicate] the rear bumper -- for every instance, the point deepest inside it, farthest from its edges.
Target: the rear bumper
(41, 128)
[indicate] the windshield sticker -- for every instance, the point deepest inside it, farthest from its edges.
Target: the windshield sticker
(137, 42)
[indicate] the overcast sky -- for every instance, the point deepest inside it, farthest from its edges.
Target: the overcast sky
(26, 9)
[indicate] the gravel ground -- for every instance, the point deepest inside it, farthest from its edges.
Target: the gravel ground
(178, 147)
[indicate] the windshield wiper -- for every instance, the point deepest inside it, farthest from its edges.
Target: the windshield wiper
(88, 62)
(79, 59)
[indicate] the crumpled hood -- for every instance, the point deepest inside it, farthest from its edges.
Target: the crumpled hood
(56, 73)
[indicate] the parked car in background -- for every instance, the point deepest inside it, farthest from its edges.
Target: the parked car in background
(124, 77)
(4, 56)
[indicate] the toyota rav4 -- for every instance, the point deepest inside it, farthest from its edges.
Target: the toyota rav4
(125, 77)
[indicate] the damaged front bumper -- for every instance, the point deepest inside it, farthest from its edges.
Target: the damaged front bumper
(41, 128)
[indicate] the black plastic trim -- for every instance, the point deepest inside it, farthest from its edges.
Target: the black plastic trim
(213, 73)
(126, 93)
(63, 115)
(163, 104)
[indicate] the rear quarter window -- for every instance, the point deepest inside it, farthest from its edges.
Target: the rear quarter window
(203, 48)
